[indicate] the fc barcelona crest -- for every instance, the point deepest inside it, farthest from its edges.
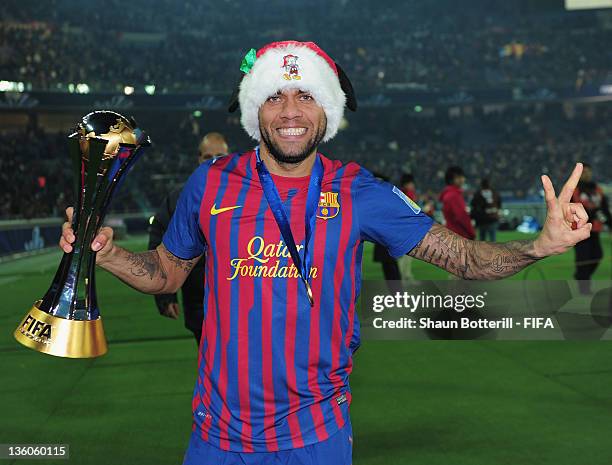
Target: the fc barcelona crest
(328, 205)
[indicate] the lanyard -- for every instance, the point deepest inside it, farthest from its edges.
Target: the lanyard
(276, 205)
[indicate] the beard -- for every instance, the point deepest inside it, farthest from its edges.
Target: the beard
(296, 156)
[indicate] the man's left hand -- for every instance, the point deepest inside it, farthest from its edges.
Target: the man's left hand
(566, 222)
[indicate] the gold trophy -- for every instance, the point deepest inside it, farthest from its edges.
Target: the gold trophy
(66, 322)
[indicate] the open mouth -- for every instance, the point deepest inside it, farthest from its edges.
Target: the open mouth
(291, 132)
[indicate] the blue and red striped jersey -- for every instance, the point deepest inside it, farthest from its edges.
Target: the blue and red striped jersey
(273, 372)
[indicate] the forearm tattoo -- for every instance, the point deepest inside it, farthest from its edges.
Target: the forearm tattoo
(146, 264)
(184, 265)
(473, 259)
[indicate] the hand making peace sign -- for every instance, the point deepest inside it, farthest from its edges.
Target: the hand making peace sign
(566, 222)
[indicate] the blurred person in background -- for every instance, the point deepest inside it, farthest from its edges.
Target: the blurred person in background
(428, 201)
(485, 207)
(588, 252)
(453, 204)
(212, 145)
(408, 187)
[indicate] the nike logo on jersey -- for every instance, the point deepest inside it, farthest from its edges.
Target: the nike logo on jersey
(215, 211)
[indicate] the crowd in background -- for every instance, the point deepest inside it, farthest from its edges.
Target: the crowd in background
(409, 45)
(34, 179)
(511, 146)
(197, 46)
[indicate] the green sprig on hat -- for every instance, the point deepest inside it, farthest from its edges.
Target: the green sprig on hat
(248, 61)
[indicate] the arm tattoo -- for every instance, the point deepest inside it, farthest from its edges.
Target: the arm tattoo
(185, 265)
(471, 259)
(146, 264)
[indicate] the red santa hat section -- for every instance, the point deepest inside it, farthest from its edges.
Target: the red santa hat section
(294, 65)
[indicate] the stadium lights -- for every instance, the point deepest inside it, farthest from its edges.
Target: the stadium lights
(418, 108)
(197, 113)
(82, 88)
(128, 90)
(150, 89)
(606, 89)
(11, 86)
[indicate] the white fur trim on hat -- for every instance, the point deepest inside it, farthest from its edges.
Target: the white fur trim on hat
(269, 75)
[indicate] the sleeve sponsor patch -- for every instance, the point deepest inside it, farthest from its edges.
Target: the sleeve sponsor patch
(407, 200)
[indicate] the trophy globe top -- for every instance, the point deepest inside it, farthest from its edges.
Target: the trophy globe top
(112, 127)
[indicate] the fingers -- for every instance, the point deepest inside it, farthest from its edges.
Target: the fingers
(68, 223)
(549, 194)
(570, 186)
(578, 214)
(105, 235)
(69, 213)
(580, 234)
(67, 237)
(65, 245)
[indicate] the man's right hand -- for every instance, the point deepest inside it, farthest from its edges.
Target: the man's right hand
(102, 243)
(152, 272)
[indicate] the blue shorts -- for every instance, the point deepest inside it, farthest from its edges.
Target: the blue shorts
(336, 450)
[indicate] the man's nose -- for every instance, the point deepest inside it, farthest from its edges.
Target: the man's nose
(290, 109)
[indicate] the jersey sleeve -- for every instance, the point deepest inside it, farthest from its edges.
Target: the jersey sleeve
(388, 217)
(184, 238)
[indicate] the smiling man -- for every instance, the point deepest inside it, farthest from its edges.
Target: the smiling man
(292, 136)
(282, 227)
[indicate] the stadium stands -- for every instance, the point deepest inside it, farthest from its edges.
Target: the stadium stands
(410, 46)
(419, 45)
(511, 147)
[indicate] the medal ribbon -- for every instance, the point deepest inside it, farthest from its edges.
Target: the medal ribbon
(276, 205)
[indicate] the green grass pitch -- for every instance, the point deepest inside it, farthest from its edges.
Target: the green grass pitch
(427, 402)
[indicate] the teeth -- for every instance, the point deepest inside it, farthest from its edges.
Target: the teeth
(291, 131)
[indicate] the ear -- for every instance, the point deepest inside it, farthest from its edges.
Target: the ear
(347, 87)
(232, 105)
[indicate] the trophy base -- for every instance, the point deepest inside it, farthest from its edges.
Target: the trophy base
(61, 337)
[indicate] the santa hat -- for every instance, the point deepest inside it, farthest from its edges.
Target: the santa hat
(292, 65)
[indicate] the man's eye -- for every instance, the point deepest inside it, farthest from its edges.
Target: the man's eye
(306, 97)
(273, 99)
